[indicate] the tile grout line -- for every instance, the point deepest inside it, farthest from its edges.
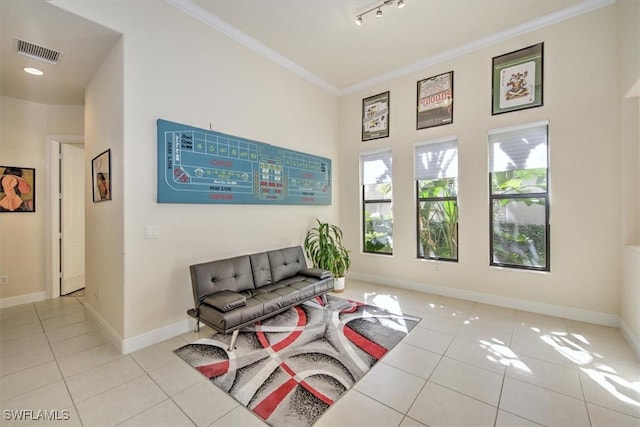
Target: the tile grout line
(504, 375)
(64, 379)
(584, 397)
(169, 397)
(431, 374)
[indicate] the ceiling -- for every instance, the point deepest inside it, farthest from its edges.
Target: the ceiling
(317, 39)
(82, 43)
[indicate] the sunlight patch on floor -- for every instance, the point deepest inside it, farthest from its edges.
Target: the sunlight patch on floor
(503, 355)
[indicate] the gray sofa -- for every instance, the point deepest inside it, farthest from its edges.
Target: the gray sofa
(232, 293)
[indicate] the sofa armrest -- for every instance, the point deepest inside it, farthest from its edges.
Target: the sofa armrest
(316, 272)
(225, 300)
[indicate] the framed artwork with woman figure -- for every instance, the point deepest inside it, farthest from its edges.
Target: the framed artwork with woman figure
(17, 189)
(101, 173)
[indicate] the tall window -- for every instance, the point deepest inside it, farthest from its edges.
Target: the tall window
(377, 220)
(436, 173)
(519, 205)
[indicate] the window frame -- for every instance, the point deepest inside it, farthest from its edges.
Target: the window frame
(453, 139)
(519, 196)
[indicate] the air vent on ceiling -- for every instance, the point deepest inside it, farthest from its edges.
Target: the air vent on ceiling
(37, 52)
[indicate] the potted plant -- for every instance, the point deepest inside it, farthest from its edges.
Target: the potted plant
(323, 245)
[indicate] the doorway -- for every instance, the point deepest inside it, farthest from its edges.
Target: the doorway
(66, 188)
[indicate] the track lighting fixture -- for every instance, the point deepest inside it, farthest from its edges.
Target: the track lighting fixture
(378, 9)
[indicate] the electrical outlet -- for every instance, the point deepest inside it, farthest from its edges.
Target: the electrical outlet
(437, 267)
(4, 280)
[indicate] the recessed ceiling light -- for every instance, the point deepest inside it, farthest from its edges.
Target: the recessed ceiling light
(33, 71)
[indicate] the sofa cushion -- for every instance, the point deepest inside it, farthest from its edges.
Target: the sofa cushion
(225, 300)
(233, 274)
(318, 273)
(286, 262)
(261, 269)
(231, 319)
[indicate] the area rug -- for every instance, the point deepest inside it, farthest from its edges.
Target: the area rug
(291, 368)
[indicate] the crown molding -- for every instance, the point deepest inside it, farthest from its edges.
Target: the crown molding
(536, 24)
(203, 15)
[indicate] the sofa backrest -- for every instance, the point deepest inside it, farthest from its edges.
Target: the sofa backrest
(233, 274)
(261, 269)
(287, 262)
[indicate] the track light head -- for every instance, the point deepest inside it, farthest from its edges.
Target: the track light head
(378, 9)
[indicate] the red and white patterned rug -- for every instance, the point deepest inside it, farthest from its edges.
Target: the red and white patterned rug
(291, 368)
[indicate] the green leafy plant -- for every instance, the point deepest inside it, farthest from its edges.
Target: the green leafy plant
(438, 218)
(323, 245)
(378, 232)
(516, 242)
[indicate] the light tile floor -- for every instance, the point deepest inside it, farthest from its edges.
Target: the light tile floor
(464, 364)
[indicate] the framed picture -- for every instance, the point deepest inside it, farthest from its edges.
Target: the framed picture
(17, 189)
(518, 80)
(101, 176)
(375, 117)
(435, 101)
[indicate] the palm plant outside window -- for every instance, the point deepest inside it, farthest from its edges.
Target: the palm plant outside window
(519, 197)
(377, 192)
(436, 174)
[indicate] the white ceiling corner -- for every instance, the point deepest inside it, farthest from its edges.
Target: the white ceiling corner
(203, 10)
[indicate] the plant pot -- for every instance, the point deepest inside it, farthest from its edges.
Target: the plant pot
(338, 284)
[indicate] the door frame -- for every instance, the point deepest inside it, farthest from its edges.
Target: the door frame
(52, 244)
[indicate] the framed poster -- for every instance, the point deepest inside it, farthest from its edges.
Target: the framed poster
(204, 166)
(518, 80)
(101, 176)
(435, 101)
(375, 117)
(17, 189)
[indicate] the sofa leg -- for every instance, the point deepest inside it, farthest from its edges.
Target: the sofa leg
(234, 337)
(324, 299)
(197, 328)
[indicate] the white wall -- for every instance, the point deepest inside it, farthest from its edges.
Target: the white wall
(582, 107)
(629, 93)
(628, 31)
(629, 312)
(104, 221)
(24, 127)
(178, 69)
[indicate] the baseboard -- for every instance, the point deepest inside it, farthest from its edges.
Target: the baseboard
(155, 336)
(628, 334)
(23, 299)
(113, 336)
(572, 313)
(141, 341)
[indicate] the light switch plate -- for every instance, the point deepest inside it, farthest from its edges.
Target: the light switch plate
(151, 232)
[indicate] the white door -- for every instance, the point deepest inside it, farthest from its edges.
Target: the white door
(72, 218)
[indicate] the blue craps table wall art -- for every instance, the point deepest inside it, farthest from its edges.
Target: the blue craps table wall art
(204, 166)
